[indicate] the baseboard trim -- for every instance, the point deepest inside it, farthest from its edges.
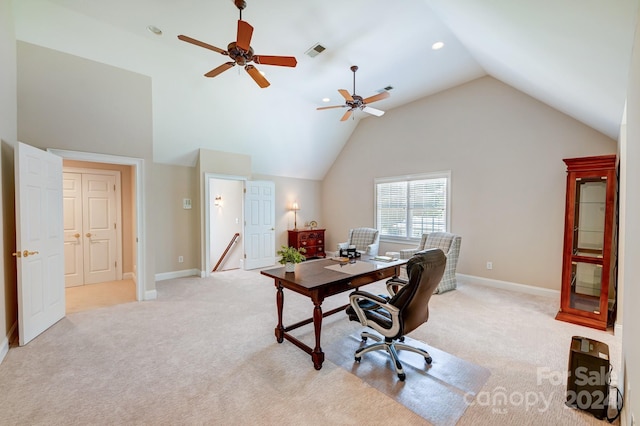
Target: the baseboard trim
(506, 285)
(4, 345)
(177, 274)
(150, 295)
(129, 276)
(4, 349)
(617, 329)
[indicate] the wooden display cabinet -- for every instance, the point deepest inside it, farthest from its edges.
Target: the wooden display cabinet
(589, 258)
(312, 240)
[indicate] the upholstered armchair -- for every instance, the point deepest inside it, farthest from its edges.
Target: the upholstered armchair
(366, 240)
(450, 245)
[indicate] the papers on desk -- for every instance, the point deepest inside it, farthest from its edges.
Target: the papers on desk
(384, 258)
(353, 268)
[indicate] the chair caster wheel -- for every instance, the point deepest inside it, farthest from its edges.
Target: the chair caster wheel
(402, 377)
(357, 359)
(428, 359)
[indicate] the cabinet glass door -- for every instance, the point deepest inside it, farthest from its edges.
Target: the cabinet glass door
(590, 209)
(588, 241)
(586, 282)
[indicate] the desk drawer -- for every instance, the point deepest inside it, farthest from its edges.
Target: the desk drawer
(372, 276)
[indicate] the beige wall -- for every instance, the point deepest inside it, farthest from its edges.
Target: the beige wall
(175, 229)
(219, 163)
(8, 136)
(308, 195)
(306, 192)
(86, 106)
(504, 150)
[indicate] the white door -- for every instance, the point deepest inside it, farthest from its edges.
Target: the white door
(39, 241)
(259, 214)
(90, 228)
(73, 233)
(99, 219)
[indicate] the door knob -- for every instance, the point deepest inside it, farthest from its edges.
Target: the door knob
(88, 234)
(77, 235)
(25, 253)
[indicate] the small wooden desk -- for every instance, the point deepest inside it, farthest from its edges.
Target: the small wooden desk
(314, 280)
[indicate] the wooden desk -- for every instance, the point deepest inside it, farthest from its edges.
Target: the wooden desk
(314, 280)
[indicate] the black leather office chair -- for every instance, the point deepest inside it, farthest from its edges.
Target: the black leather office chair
(394, 317)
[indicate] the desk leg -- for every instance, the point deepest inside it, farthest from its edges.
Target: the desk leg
(279, 304)
(317, 355)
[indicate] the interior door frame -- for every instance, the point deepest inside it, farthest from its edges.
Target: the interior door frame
(138, 164)
(206, 272)
(118, 192)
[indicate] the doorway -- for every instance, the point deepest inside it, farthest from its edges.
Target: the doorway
(132, 186)
(253, 206)
(97, 215)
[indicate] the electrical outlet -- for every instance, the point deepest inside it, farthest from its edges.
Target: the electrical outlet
(489, 265)
(180, 259)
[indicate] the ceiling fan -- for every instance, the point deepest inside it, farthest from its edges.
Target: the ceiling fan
(242, 53)
(354, 101)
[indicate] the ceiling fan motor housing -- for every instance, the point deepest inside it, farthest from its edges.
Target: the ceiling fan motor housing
(357, 102)
(240, 56)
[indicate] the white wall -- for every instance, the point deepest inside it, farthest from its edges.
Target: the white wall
(630, 227)
(224, 221)
(504, 150)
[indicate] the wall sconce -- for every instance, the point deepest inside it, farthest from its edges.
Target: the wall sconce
(295, 209)
(218, 201)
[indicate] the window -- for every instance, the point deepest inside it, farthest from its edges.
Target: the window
(408, 206)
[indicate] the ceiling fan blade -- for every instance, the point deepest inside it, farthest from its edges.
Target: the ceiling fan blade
(378, 97)
(346, 115)
(346, 94)
(220, 69)
(334, 106)
(373, 111)
(201, 44)
(283, 61)
(257, 77)
(245, 31)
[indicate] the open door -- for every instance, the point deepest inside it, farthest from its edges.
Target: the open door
(39, 241)
(260, 227)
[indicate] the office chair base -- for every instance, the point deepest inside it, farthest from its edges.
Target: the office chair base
(391, 347)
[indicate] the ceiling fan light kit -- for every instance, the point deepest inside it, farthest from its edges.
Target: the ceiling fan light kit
(241, 52)
(354, 101)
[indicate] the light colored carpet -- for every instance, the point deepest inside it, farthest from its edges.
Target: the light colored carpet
(100, 295)
(205, 353)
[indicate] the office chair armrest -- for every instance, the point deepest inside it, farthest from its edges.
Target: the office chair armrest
(394, 282)
(375, 303)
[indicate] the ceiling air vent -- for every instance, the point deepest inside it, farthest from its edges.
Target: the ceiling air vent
(315, 50)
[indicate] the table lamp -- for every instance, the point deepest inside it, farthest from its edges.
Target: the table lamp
(295, 209)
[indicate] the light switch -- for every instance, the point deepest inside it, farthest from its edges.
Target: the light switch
(186, 203)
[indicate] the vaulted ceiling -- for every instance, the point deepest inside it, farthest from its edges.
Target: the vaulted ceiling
(570, 54)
